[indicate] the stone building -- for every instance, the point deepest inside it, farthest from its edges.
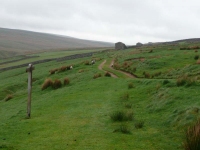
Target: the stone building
(139, 44)
(120, 46)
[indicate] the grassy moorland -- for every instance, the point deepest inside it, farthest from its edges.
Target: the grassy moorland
(149, 112)
(18, 60)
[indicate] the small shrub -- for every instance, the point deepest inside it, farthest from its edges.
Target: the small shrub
(97, 75)
(57, 84)
(196, 57)
(8, 97)
(107, 74)
(165, 82)
(139, 124)
(192, 137)
(181, 81)
(47, 83)
(66, 81)
(130, 85)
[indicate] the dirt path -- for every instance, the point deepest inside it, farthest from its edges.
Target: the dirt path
(126, 73)
(100, 67)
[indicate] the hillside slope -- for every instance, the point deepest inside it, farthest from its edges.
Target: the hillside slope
(20, 41)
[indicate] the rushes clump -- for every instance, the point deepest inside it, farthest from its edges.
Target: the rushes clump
(128, 105)
(139, 124)
(123, 129)
(185, 80)
(165, 81)
(130, 85)
(63, 68)
(121, 116)
(125, 96)
(66, 81)
(97, 75)
(196, 57)
(57, 84)
(107, 74)
(47, 83)
(192, 137)
(8, 97)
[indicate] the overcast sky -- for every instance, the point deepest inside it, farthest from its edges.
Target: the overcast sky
(129, 21)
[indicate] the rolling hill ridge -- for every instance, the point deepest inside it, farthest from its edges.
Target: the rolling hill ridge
(13, 42)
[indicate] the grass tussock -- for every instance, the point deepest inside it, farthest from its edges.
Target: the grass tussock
(121, 116)
(130, 86)
(81, 70)
(53, 71)
(125, 96)
(47, 83)
(198, 61)
(127, 105)
(146, 75)
(8, 97)
(196, 57)
(123, 129)
(57, 84)
(86, 62)
(66, 81)
(97, 75)
(192, 137)
(166, 82)
(139, 124)
(63, 68)
(107, 74)
(185, 80)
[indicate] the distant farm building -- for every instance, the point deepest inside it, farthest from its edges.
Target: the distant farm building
(120, 46)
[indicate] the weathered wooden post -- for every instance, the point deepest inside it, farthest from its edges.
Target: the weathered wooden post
(29, 70)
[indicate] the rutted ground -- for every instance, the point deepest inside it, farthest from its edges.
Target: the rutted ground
(100, 67)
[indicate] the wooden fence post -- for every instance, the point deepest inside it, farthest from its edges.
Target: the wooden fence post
(29, 70)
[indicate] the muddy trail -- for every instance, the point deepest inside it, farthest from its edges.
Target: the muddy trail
(100, 67)
(125, 73)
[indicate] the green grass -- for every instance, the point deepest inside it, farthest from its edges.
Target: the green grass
(45, 55)
(77, 116)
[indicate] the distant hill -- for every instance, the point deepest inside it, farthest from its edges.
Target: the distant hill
(13, 42)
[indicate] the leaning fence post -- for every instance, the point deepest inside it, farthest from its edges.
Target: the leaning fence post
(29, 70)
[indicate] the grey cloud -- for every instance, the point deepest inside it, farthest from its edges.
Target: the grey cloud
(130, 21)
